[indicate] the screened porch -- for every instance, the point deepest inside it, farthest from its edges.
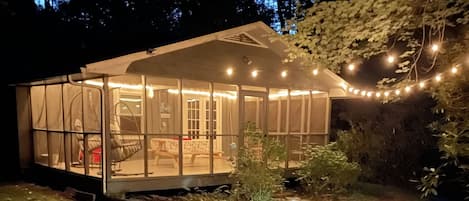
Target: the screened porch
(167, 127)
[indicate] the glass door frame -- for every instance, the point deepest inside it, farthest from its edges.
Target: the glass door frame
(264, 108)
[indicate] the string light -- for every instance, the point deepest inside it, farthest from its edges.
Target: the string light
(284, 73)
(407, 89)
(391, 59)
(435, 47)
(229, 71)
(344, 86)
(254, 73)
(438, 77)
(454, 70)
(351, 67)
(422, 84)
(397, 91)
(315, 72)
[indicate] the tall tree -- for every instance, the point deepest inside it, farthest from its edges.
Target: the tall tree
(428, 37)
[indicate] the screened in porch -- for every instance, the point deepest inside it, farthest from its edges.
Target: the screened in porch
(163, 127)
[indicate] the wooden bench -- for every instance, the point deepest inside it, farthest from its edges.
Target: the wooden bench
(164, 147)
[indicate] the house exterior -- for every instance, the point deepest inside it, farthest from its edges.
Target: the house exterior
(172, 117)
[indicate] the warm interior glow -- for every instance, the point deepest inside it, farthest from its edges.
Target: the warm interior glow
(315, 71)
(229, 71)
(284, 93)
(151, 94)
(369, 94)
(386, 93)
(356, 91)
(397, 92)
(378, 94)
(391, 59)
(363, 93)
(350, 89)
(284, 73)
(254, 73)
(438, 78)
(351, 67)
(131, 99)
(204, 93)
(124, 86)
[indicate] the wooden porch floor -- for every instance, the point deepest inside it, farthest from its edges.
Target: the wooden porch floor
(134, 168)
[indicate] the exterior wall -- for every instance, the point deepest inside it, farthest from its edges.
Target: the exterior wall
(24, 127)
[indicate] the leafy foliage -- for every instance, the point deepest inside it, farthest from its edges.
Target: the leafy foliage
(453, 128)
(429, 183)
(360, 30)
(258, 174)
(331, 34)
(390, 138)
(327, 170)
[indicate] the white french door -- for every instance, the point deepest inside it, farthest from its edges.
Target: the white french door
(196, 118)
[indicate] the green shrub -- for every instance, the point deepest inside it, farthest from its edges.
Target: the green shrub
(326, 170)
(258, 175)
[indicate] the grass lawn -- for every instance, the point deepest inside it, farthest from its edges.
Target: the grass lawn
(25, 191)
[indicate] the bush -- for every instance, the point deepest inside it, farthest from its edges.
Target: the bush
(258, 175)
(327, 170)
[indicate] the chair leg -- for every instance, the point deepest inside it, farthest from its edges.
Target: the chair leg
(193, 158)
(175, 161)
(157, 159)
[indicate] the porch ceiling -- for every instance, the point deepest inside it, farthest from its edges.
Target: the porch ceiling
(209, 62)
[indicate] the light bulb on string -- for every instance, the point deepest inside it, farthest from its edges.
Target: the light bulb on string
(369, 94)
(438, 78)
(229, 71)
(363, 93)
(407, 89)
(397, 92)
(391, 59)
(344, 86)
(350, 89)
(284, 74)
(386, 93)
(356, 91)
(454, 70)
(378, 94)
(422, 84)
(435, 47)
(315, 72)
(254, 73)
(351, 67)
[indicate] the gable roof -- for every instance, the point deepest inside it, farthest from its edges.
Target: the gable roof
(206, 58)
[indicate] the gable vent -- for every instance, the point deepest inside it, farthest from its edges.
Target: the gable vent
(243, 38)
